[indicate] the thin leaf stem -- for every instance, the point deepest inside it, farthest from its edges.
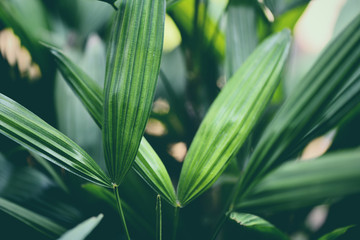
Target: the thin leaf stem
(121, 212)
(158, 218)
(176, 222)
(220, 224)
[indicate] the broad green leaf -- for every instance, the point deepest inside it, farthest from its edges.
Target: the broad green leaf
(308, 103)
(232, 116)
(147, 163)
(241, 34)
(305, 183)
(336, 233)
(133, 63)
(24, 127)
(257, 224)
(34, 220)
(82, 230)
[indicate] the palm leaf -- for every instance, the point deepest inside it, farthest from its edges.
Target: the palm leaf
(306, 183)
(258, 225)
(147, 163)
(308, 104)
(24, 127)
(232, 116)
(34, 220)
(133, 64)
(82, 230)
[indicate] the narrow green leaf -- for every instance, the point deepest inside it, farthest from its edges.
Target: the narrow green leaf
(241, 34)
(232, 116)
(82, 230)
(34, 220)
(132, 69)
(170, 3)
(336, 233)
(24, 127)
(147, 163)
(84, 86)
(257, 224)
(306, 183)
(309, 102)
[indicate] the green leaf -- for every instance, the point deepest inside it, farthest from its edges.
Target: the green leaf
(132, 69)
(147, 163)
(307, 105)
(111, 2)
(84, 86)
(24, 127)
(336, 233)
(241, 35)
(232, 116)
(34, 220)
(257, 224)
(305, 183)
(82, 230)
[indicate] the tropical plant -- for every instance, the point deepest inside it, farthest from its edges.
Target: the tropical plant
(245, 131)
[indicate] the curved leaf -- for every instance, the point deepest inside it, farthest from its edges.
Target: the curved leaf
(305, 183)
(34, 220)
(308, 104)
(232, 116)
(336, 233)
(82, 230)
(24, 127)
(132, 69)
(257, 224)
(147, 163)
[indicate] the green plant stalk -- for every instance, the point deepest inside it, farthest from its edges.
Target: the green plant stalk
(176, 222)
(158, 218)
(121, 212)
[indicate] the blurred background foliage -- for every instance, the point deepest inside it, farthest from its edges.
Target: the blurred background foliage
(193, 70)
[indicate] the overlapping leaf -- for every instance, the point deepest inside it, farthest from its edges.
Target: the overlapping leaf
(332, 73)
(82, 230)
(257, 224)
(306, 183)
(241, 34)
(24, 127)
(147, 163)
(133, 64)
(34, 220)
(232, 116)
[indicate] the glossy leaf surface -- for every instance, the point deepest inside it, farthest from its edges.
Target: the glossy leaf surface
(82, 230)
(232, 116)
(133, 63)
(24, 127)
(147, 163)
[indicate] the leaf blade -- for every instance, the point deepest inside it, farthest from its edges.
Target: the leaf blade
(82, 230)
(305, 183)
(24, 127)
(257, 224)
(133, 64)
(34, 220)
(232, 116)
(147, 163)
